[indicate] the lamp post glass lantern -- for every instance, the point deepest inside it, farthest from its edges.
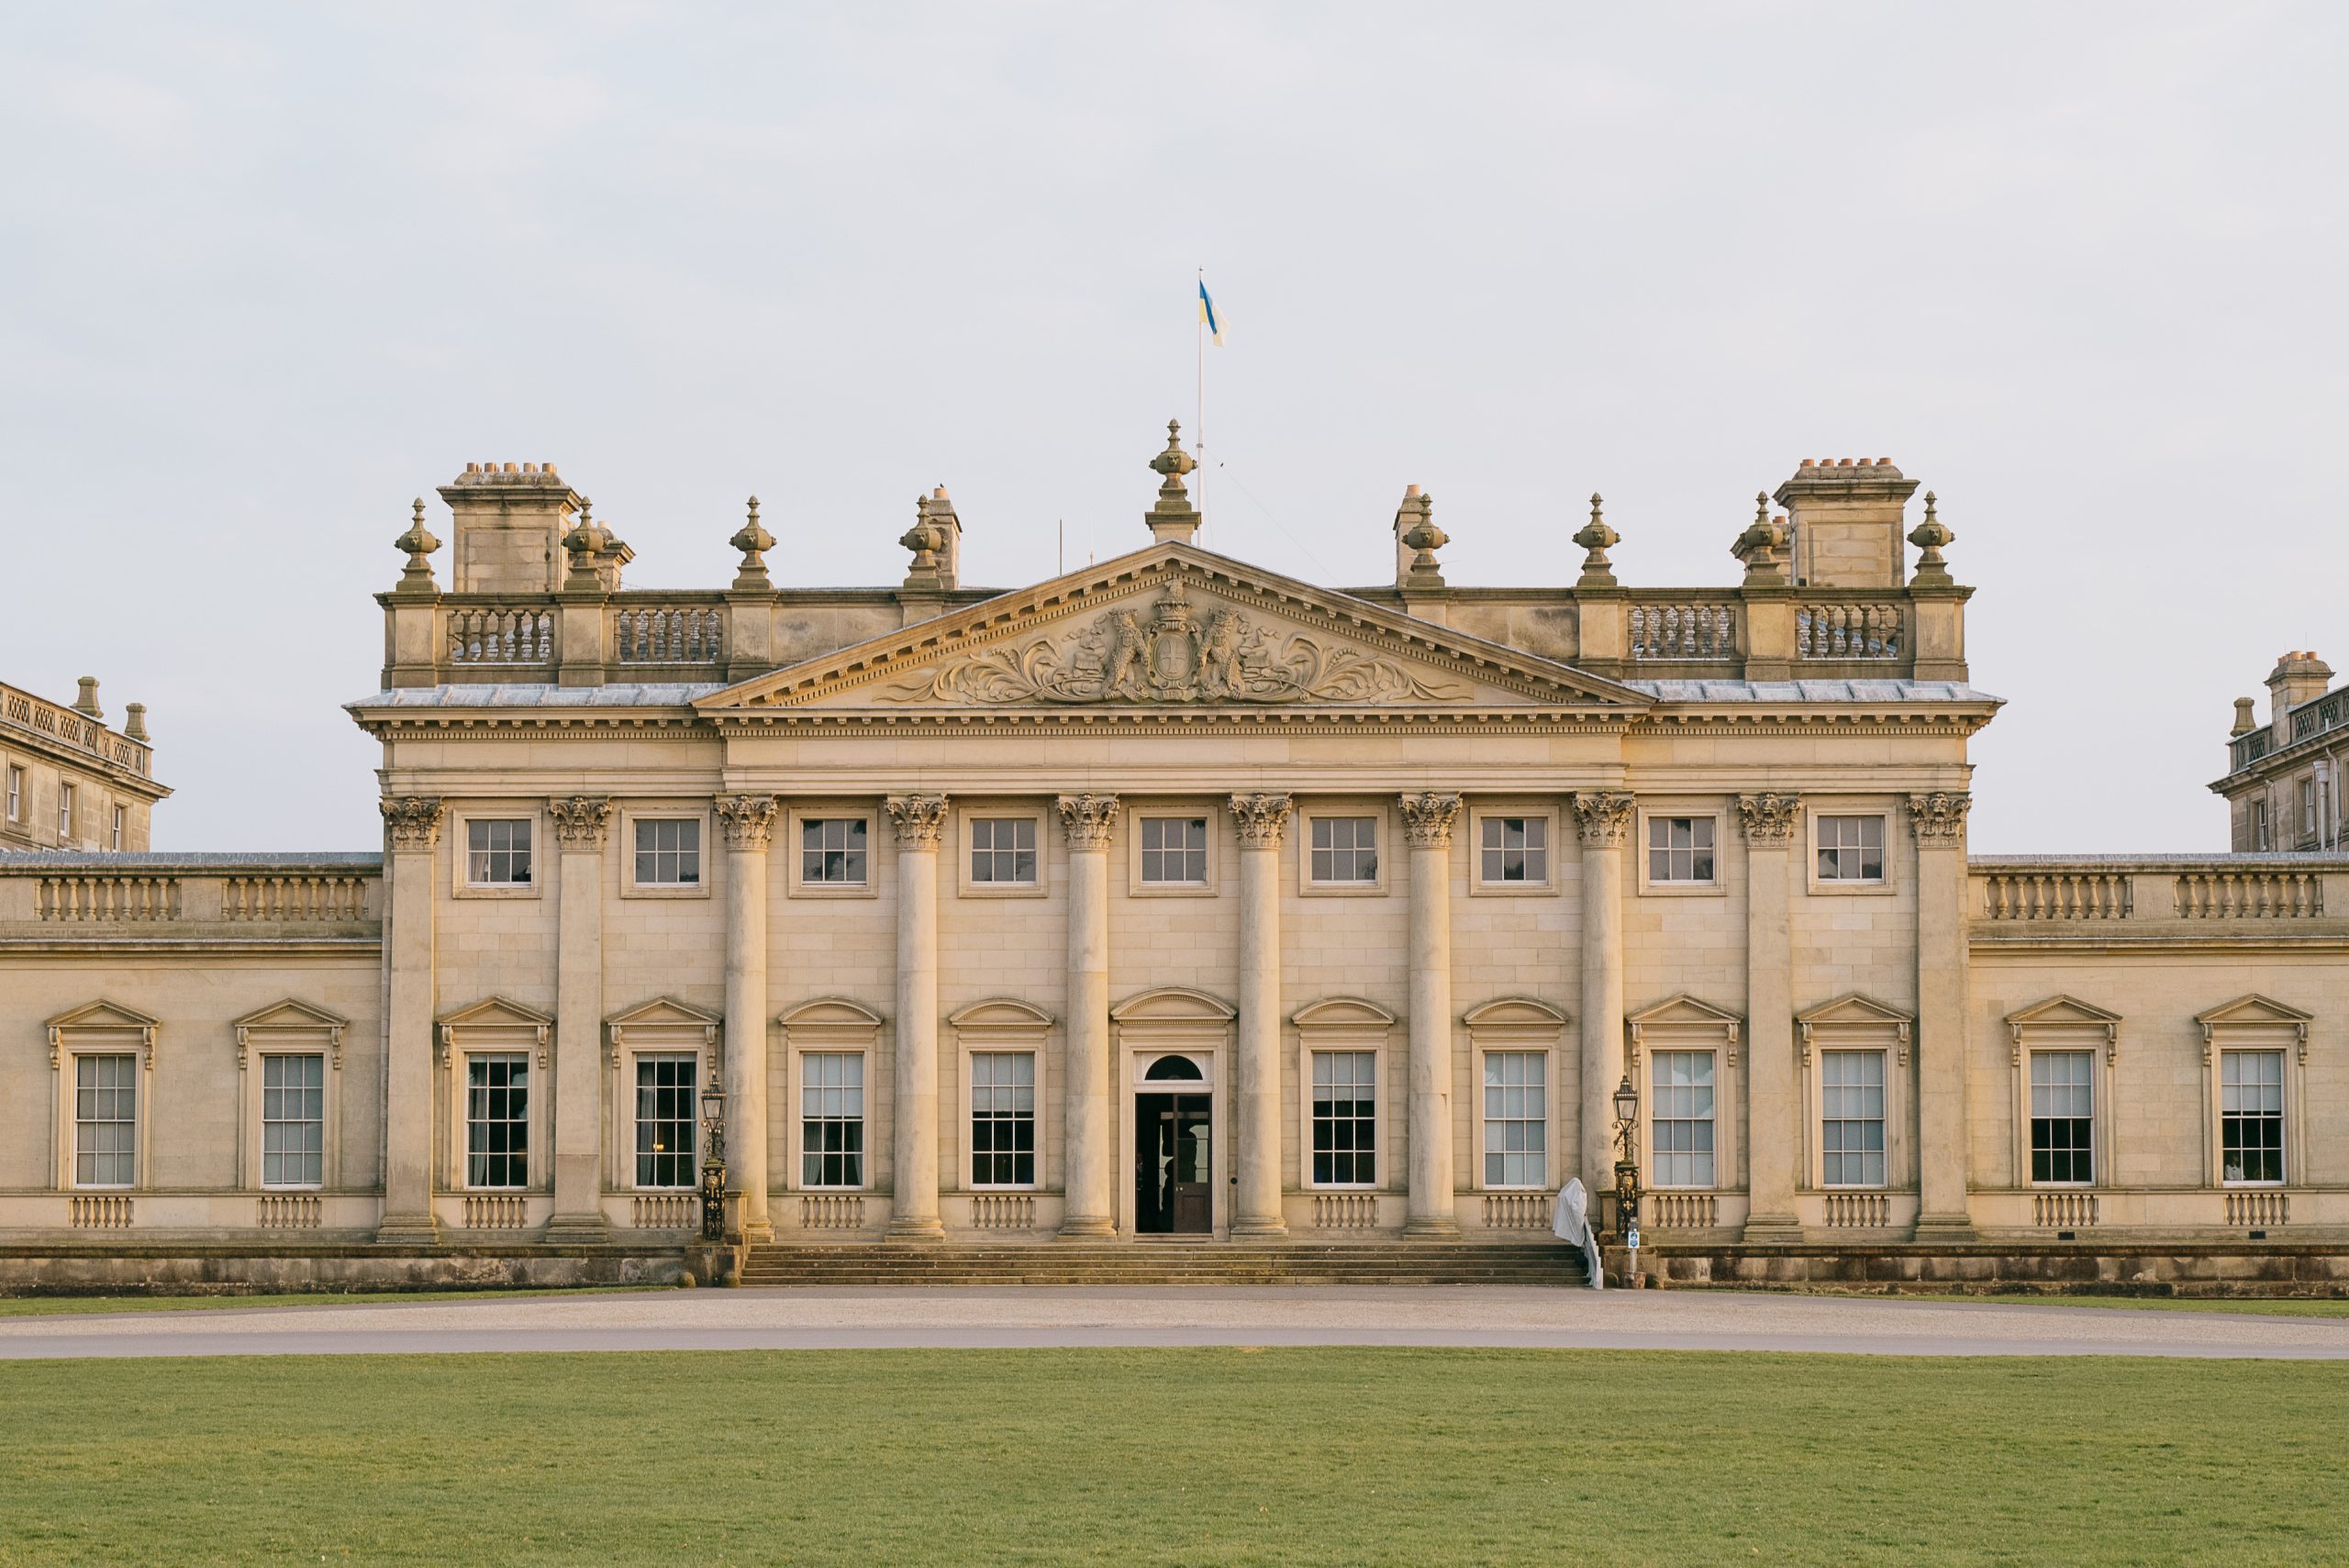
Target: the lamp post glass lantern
(713, 1160)
(1627, 1167)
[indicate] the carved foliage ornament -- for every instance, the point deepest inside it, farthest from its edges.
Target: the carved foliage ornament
(413, 821)
(1769, 818)
(581, 820)
(1262, 820)
(1173, 657)
(1606, 818)
(746, 819)
(1428, 818)
(1088, 819)
(1941, 814)
(918, 819)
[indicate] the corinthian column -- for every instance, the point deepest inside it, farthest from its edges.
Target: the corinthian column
(1427, 828)
(580, 824)
(1261, 821)
(1606, 822)
(1773, 1122)
(1943, 1208)
(747, 820)
(914, 1118)
(412, 824)
(1085, 1181)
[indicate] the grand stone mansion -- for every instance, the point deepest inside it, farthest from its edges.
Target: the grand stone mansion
(1175, 896)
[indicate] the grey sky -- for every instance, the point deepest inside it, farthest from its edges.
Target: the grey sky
(269, 271)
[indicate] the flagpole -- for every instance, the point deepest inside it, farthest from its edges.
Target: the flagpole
(1199, 419)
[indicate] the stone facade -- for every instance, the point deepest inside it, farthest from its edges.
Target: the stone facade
(67, 782)
(1173, 895)
(2284, 778)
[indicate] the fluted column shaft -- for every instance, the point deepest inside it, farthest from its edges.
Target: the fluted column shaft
(1773, 1119)
(747, 820)
(920, 821)
(1427, 828)
(580, 825)
(1261, 822)
(1605, 820)
(1942, 1205)
(412, 824)
(1086, 1161)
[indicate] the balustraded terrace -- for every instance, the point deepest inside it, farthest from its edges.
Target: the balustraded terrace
(48, 894)
(2020, 895)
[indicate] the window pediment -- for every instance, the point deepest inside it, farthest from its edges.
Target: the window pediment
(1852, 1015)
(2255, 1012)
(1343, 1013)
(497, 1021)
(1172, 1004)
(103, 1023)
(830, 1019)
(1515, 1013)
(2062, 1012)
(290, 1018)
(1000, 1013)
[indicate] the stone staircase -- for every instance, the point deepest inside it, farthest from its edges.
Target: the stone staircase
(1156, 1262)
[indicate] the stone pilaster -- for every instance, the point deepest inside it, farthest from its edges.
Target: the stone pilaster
(1944, 1210)
(747, 821)
(920, 821)
(581, 824)
(1605, 821)
(412, 827)
(1427, 828)
(1260, 825)
(1774, 1118)
(1088, 1160)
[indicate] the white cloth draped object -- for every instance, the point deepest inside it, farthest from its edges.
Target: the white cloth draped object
(1571, 1223)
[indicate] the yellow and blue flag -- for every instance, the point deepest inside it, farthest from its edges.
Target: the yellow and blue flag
(1207, 315)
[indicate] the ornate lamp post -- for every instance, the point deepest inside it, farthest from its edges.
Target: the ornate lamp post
(713, 1160)
(1627, 1171)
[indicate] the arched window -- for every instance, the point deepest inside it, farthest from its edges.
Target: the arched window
(1175, 1067)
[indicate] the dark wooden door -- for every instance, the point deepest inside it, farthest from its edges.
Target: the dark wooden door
(1174, 1165)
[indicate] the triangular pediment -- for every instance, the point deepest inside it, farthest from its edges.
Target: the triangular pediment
(664, 1010)
(2061, 1010)
(293, 1013)
(495, 1012)
(1852, 1009)
(103, 1015)
(1682, 1009)
(2253, 1009)
(1172, 628)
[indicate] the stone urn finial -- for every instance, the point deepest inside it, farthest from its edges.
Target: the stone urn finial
(1761, 547)
(1929, 537)
(925, 539)
(753, 541)
(1173, 517)
(1596, 538)
(416, 577)
(1423, 539)
(585, 544)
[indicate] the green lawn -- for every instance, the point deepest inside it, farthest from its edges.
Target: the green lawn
(53, 1306)
(1176, 1457)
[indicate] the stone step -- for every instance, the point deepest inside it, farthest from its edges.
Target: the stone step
(1045, 1263)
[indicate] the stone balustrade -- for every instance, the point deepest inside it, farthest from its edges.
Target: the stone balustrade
(49, 893)
(1662, 633)
(58, 723)
(665, 1211)
(1681, 1211)
(1874, 632)
(2063, 1211)
(2023, 895)
(566, 638)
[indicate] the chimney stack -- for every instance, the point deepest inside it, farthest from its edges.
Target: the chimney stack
(510, 519)
(1846, 519)
(85, 702)
(2299, 676)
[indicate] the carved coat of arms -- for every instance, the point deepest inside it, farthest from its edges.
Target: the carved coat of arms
(1174, 657)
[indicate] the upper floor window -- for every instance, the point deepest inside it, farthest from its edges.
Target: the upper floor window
(2251, 1114)
(665, 1127)
(2308, 808)
(1850, 849)
(498, 1121)
(1345, 849)
(1850, 1097)
(115, 836)
(1680, 1120)
(834, 852)
(2261, 839)
(2063, 1116)
(668, 851)
(1003, 851)
(497, 851)
(65, 810)
(293, 1120)
(105, 1120)
(1174, 851)
(1680, 848)
(15, 795)
(1513, 849)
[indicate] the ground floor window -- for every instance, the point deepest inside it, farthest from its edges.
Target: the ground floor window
(2251, 1114)
(292, 1121)
(665, 1127)
(1680, 1118)
(1003, 1119)
(106, 1121)
(1851, 1141)
(498, 1121)
(831, 1118)
(1517, 1143)
(2062, 1118)
(1345, 1118)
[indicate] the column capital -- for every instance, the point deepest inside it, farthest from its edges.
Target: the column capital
(581, 820)
(1769, 818)
(1940, 814)
(1605, 816)
(919, 818)
(413, 821)
(746, 819)
(1262, 820)
(1428, 818)
(1088, 819)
